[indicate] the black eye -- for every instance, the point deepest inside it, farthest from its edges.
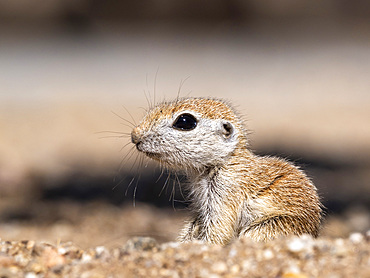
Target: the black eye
(227, 129)
(185, 122)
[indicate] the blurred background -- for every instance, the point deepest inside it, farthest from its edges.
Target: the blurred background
(72, 73)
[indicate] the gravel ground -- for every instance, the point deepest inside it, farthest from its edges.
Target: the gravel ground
(66, 239)
(144, 257)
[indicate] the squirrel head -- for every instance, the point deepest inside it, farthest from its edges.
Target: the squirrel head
(190, 133)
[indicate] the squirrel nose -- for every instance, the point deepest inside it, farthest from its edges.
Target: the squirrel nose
(135, 137)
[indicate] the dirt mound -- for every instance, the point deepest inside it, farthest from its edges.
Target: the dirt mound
(144, 257)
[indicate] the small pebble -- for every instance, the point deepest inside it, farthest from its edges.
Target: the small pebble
(293, 275)
(219, 267)
(86, 258)
(30, 244)
(140, 243)
(99, 250)
(296, 245)
(232, 252)
(173, 244)
(267, 254)
(30, 275)
(62, 250)
(356, 238)
(235, 269)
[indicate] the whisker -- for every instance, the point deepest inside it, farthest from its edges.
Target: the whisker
(110, 131)
(173, 194)
(115, 136)
(147, 100)
(145, 109)
(162, 171)
(129, 185)
(126, 125)
(133, 164)
(135, 189)
(132, 118)
(122, 134)
(182, 82)
(122, 163)
(165, 184)
(150, 101)
(178, 180)
(125, 145)
(120, 182)
(142, 158)
(155, 85)
(127, 121)
(130, 152)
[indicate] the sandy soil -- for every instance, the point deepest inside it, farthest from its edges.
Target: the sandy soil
(100, 240)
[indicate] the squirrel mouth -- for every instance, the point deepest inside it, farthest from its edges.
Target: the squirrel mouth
(156, 156)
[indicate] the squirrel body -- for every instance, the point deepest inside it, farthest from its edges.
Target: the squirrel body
(232, 192)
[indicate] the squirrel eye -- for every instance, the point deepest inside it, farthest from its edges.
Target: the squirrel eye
(185, 122)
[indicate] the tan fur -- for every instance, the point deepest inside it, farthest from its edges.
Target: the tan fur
(233, 192)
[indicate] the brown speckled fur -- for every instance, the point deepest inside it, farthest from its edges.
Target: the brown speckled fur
(233, 192)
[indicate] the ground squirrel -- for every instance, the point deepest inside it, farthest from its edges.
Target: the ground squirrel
(233, 192)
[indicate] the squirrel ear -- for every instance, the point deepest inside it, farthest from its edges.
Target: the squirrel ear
(227, 129)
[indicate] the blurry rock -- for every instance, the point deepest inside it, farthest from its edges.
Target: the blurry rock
(140, 244)
(335, 226)
(301, 246)
(50, 257)
(358, 218)
(219, 267)
(356, 238)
